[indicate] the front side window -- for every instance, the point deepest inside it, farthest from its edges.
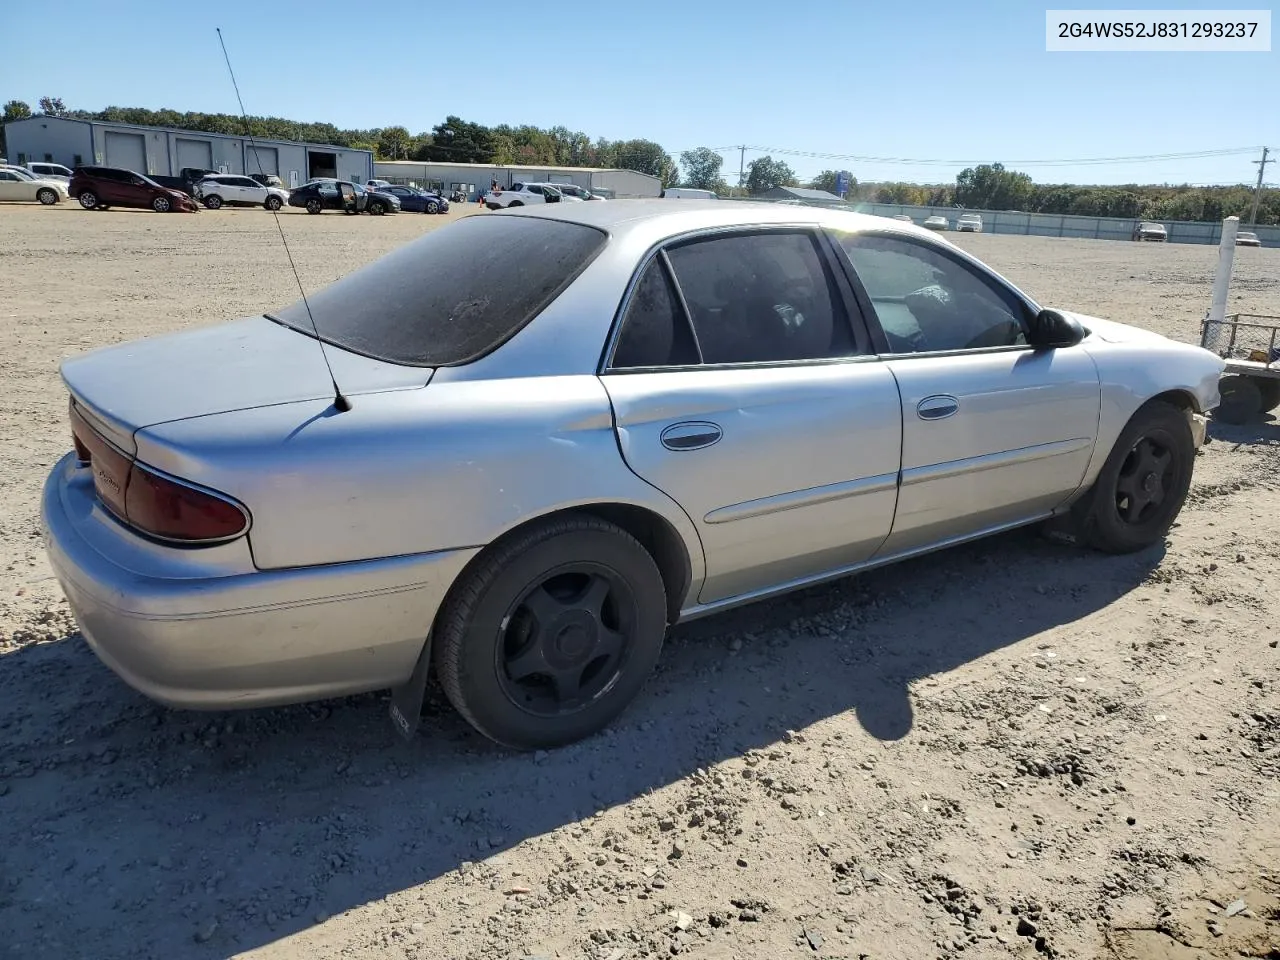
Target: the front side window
(927, 302)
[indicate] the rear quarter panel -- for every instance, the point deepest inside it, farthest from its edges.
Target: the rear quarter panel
(447, 466)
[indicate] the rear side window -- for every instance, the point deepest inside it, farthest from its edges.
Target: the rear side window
(452, 295)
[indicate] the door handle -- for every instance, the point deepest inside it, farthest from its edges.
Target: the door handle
(937, 407)
(691, 435)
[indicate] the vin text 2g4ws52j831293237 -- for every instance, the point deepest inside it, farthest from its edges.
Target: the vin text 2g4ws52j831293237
(667, 410)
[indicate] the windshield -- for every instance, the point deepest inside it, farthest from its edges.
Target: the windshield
(23, 173)
(452, 295)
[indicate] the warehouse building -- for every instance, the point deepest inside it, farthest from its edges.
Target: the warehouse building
(164, 151)
(473, 178)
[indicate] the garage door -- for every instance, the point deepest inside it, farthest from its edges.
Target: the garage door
(268, 157)
(128, 150)
(197, 154)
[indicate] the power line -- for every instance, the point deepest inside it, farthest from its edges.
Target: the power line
(1082, 161)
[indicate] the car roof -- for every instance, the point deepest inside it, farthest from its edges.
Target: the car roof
(624, 216)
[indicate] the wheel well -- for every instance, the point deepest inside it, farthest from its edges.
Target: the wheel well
(1182, 399)
(655, 534)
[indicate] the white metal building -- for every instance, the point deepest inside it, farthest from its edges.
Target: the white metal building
(164, 151)
(472, 178)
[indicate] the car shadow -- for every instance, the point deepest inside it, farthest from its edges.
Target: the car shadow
(136, 828)
(1262, 432)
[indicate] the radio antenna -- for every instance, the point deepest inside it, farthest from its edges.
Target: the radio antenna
(340, 403)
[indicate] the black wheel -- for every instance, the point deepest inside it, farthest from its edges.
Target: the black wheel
(314, 206)
(272, 203)
(1241, 399)
(161, 205)
(377, 208)
(1269, 391)
(88, 199)
(47, 197)
(515, 203)
(1143, 483)
(433, 207)
(553, 632)
(213, 203)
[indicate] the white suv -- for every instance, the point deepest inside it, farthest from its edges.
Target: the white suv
(522, 194)
(222, 188)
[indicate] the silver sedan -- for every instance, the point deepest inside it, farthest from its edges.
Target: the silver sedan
(517, 449)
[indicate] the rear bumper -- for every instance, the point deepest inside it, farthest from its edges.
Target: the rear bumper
(211, 639)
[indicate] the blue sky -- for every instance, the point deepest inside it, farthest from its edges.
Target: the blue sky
(932, 79)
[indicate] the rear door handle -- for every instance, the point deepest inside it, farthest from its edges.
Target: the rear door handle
(937, 407)
(691, 435)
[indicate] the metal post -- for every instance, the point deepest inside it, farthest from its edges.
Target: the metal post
(1221, 284)
(1257, 190)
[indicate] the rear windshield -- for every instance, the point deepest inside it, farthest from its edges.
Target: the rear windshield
(452, 295)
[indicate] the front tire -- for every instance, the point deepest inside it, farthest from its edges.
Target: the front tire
(213, 203)
(550, 636)
(433, 207)
(1143, 483)
(47, 197)
(161, 205)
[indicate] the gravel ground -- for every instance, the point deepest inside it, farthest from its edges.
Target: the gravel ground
(1008, 748)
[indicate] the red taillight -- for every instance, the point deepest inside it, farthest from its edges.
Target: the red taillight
(152, 503)
(175, 511)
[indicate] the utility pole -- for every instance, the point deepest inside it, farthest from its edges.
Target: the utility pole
(1257, 190)
(742, 176)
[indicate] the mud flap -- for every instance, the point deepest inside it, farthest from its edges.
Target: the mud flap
(406, 699)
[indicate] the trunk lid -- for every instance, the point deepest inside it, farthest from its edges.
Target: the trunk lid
(247, 363)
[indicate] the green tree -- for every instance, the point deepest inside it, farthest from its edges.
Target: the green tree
(52, 106)
(16, 110)
(393, 143)
(457, 141)
(644, 156)
(992, 187)
(826, 180)
(766, 173)
(702, 168)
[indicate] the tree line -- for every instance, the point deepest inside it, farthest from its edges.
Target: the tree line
(985, 187)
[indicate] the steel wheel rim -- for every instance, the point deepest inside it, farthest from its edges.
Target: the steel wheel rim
(161, 204)
(1146, 480)
(564, 643)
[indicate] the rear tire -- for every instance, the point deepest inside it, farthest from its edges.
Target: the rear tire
(47, 197)
(1142, 485)
(1241, 400)
(377, 208)
(552, 633)
(314, 206)
(515, 203)
(88, 199)
(272, 204)
(1269, 390)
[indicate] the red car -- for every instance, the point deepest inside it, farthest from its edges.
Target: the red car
(98, 188)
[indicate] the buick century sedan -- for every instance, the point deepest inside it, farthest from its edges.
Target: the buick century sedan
(514, 451)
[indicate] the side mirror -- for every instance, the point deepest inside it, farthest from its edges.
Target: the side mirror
(1051, 330)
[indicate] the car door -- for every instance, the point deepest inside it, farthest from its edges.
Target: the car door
(742, 390)
(134, 191)
(14, 187)
(994, 431)
(109, 185)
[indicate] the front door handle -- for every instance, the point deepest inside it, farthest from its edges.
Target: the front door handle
(691, 435)
(937, 407)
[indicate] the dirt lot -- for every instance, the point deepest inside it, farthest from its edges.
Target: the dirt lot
(1009, 748)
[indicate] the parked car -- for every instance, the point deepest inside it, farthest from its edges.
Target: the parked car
(523, 194)
(577, 192)
(17, 184)
(50, 171)
(969, 223)
(560, 429)
(415, 200)
(688, 193)
(377, 184)
(935, 223)
(1247, 239)
(100, 188)
(1154, 232)
(375, 202)
(903, 217)
(269, 180)
(236, 190)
